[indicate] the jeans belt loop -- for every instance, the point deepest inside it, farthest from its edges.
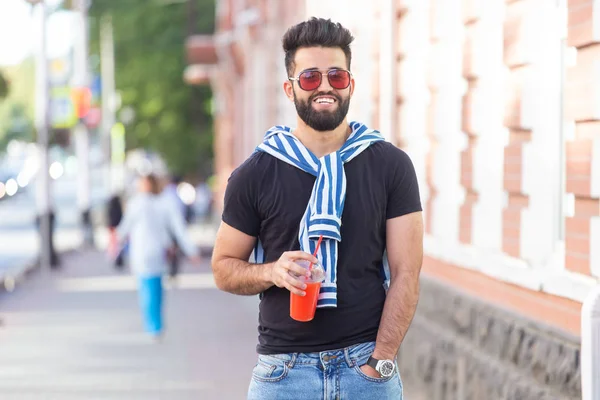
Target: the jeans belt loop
(292, 362)
(349, 360)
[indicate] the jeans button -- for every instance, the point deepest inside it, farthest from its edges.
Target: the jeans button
(325, 358)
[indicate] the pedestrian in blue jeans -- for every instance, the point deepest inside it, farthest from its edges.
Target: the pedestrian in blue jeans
(151, 224)
(336, 180)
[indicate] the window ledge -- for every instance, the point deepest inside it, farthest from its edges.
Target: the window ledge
(550, 277)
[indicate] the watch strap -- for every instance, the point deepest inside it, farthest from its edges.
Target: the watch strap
(372, 362)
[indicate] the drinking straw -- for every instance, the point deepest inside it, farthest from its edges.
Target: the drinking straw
(316, 251)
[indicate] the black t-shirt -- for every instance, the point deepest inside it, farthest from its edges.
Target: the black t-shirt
(267, 197)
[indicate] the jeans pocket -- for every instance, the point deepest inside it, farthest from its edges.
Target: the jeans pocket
(372, 379)
(270, 369)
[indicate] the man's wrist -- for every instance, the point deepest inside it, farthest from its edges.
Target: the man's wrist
(380, 354)
(267, 273)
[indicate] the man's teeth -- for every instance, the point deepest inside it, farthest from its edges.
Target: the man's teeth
(324, 100)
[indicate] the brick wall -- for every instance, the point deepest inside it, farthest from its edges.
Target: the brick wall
(519, 71)
(501, 168)
(471, 16)
(582, 112)
(250, 98)
(430, 129)
(584, 26)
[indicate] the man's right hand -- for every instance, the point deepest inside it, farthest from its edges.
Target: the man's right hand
(280, 271)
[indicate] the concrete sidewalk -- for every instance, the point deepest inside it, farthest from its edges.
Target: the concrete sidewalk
(76, 334)
(15, 267)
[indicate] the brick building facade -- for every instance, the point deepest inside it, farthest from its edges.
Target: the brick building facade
(498, 105)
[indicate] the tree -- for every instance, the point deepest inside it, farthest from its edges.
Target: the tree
(172, 117)
(3, 86)
(19, 126)
(17, 107)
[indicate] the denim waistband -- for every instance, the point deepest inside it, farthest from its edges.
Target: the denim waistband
(349, 355)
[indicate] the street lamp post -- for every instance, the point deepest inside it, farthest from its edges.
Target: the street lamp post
(47, 256)
(82, 140)
(109, 101)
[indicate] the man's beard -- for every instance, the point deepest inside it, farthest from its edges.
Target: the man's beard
(324, 120)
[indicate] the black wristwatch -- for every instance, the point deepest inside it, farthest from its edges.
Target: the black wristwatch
(384, 367)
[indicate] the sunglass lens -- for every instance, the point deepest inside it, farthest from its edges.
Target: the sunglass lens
(339, 79)
(310, 80)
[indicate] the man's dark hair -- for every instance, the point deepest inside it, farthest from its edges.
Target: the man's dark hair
(316, 32)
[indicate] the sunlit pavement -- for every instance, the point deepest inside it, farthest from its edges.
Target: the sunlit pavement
(76, 334)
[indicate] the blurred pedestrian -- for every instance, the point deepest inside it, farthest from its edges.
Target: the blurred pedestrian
(114, 216)
(172, 199)
(204, 201)
(150, 224)
(54, 259)
(339, 181)
(170, 194)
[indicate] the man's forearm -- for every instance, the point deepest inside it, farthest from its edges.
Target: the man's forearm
(241, 277)
(398, 312)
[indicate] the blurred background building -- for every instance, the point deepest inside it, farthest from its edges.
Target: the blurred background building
(498, 105)
(105, 119)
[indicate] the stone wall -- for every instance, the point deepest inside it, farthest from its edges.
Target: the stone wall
(460, 348)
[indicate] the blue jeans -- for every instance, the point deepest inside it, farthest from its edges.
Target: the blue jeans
(328, 375)
(151, 297)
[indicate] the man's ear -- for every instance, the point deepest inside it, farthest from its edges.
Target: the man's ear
(288, 88)
(352, 83)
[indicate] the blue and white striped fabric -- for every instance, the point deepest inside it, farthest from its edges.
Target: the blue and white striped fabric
(324, 210)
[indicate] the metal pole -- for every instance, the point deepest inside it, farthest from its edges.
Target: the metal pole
(41, 123)
(109, 106)
(82, 140)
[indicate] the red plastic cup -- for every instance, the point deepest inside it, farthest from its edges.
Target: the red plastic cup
(302, 308)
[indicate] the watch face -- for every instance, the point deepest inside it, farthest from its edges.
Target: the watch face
(386, 369)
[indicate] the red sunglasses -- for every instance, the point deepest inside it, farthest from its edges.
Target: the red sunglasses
(311, 79)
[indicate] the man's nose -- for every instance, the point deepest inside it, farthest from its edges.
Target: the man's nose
(325, 86)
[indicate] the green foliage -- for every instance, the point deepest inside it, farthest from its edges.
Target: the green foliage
(171, 117)
(3, 86)
(17, 107)
(19, 126)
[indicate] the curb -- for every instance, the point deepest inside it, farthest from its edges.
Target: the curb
(11, 278)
